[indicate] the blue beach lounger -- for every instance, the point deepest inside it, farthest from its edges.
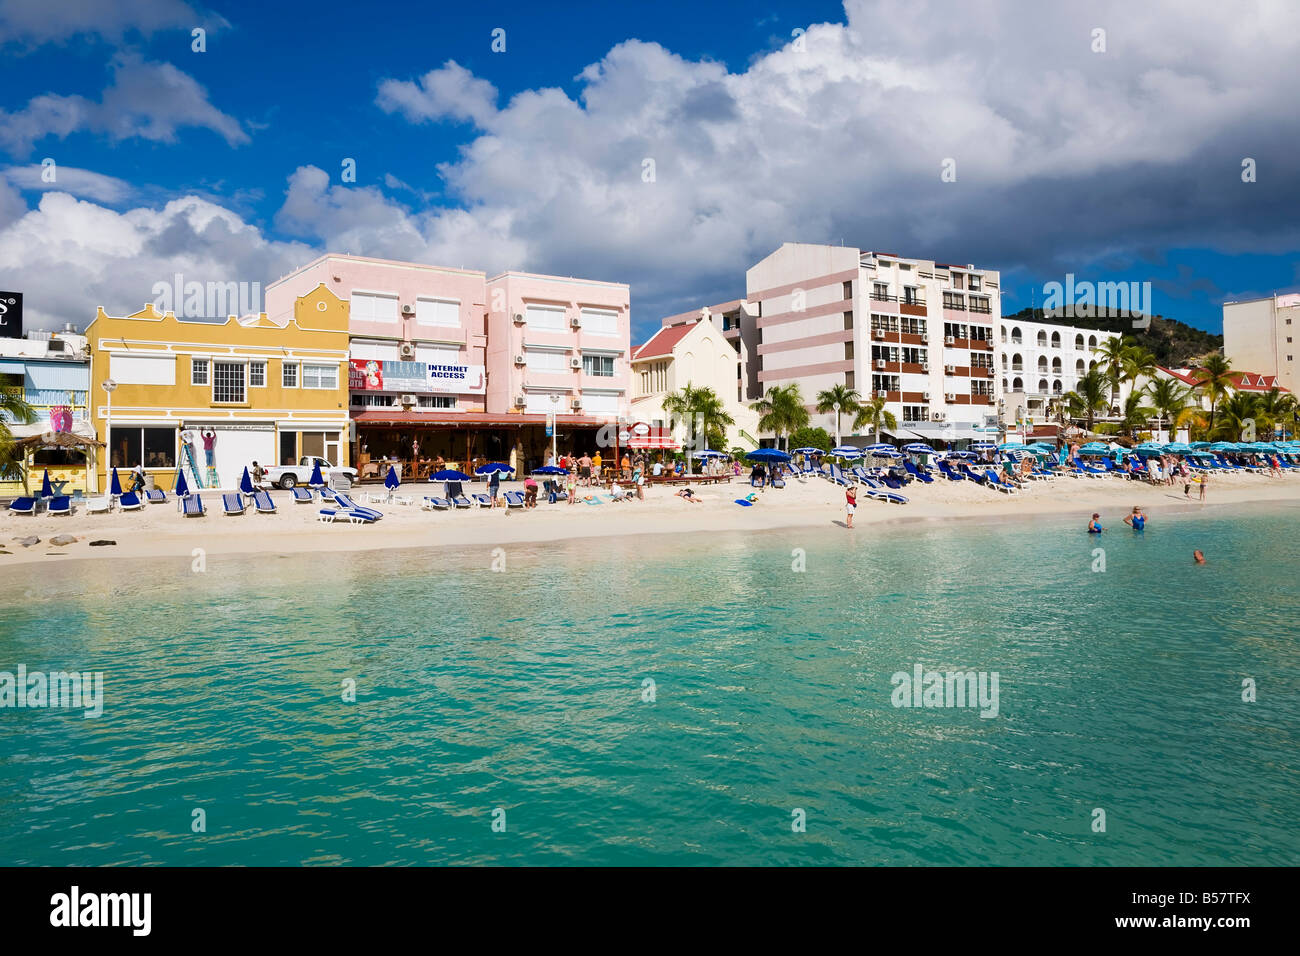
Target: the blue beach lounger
(130, 502)
(514, 499)
(350, 515)
(481, 500)
(435, 504)
(347, 504)
(25, 505)
(263, 502)
(192, 506)
(156, 497)
(233, 503)
(60, 505)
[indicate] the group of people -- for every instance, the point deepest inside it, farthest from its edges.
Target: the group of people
(1136, 519)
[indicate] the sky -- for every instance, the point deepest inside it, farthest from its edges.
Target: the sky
(128, 156)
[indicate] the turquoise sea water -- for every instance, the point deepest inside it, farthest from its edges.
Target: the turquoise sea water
(523, 690)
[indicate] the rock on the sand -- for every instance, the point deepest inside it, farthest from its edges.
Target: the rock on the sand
(28, 541)
(60, 539)
(101, 544)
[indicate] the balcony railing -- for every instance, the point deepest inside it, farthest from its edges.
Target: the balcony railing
(980, 307)
(884, 297)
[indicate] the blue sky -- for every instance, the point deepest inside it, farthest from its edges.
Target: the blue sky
(1118, 164)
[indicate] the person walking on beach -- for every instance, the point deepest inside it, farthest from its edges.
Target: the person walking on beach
(494, 487)
(595, 467)
(850, 504)
(638, 479)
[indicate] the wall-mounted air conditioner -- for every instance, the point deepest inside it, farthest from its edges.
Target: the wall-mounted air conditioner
(576, 322)
(877, 333)
(925, 366)
(575, 362)
(949, 339)
(408, 399)
(407, 310)
(950, 369)
(937, 417)
(577, 403)
(882, 393)
(925, 337)
(925, 396)
(406, 350)
(880, 363)
(520, 359)
(519, 318)
(950, 396)
(519, 400)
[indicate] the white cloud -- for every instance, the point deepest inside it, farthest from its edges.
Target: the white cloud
(34, 22)
(79, 182)
(449, 92)
(146, 100)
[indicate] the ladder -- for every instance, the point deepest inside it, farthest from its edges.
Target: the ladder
(187, 451)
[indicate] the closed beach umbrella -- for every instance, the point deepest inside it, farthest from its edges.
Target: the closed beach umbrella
(246, 483)
(47, 491)
(115, 486)
(391, 480)
(316, 481)
(182, 486)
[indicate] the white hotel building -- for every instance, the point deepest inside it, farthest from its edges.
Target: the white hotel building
(1039, 363)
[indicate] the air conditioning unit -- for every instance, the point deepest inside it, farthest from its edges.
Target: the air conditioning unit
(937, 417)
(519, 318)
(925, 396)
(577, 403)
(575, 362)
(925, 366)
(925, 337)
(406, 350)
(950, 369)
(520, 360)
(576, 322)
(880, 363)
(409, 399)
(950, 396)
(519, 400)
(877, 333)
(407, 310)
(949, 339)
(881, 393)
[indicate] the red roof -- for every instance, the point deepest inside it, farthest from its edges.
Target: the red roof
(1184, 377)
(662, 342)
(1253, 382)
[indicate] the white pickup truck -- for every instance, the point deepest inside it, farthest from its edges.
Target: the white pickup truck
(286, 476)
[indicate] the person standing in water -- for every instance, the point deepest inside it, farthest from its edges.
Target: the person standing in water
(1137, 520)
(1198, 557)
(1094, 526)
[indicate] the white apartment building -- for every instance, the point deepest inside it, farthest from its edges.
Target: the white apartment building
(916, 332)
(1259, 334)
(1039, 363)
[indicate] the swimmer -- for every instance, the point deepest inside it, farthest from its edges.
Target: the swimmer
(1198, 557)
(1094, 526)
(1137, 520)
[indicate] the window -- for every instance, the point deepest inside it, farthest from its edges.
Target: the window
(363, 400)
(912, 295)
(981, 387)
(885, 383)
(437, 401)
(981, 333)
(1018, 385)
(256, 374)
(911, 325)
(884, 353)
(914, 413)
(1078, 343)
(1092, 341)
(884, 323)
(1042, 363)
(848, 290)
(848, 351)
(320, 376)
(444, 312)
(974, 283)
(289, 375)
(980, 304)
(880, 291)
(545, 318)
(1015, 335)
(600, 365)
(954, 300)
(599, 404)
(372, 307)
(199, 371)
(1056, 340)
(1042, 339)
(228, 383)
(151, 447)
(546, 360)
(599, 322)
(981, 360)
(1017, 363)
(913, 356)
(58, 458)
(1004, 335)
(848, 322)
(955, 329)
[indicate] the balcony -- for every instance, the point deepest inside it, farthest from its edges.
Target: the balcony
(983, 308)
(42, 399)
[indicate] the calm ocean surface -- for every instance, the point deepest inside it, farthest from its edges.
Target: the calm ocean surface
(523, 690)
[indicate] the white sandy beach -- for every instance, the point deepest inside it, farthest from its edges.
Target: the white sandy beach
(161, 531)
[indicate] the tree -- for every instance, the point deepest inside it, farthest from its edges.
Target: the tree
(1134, 415)
(847, 398)
(1171, 400)
(781, 410)
(1136, 364)
(703, 410)
(1238, 418)
(874, 415)
(1277, 409)
(1215, 379)
(13, 408)
(1110, 357)
(811, 438)
(1088, 397)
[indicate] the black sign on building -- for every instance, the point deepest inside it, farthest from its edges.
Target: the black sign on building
(11, 315)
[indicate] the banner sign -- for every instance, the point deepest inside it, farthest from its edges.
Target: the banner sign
(11, 315)
(373, 375)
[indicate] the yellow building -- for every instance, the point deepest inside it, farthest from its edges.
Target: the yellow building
(260, 390)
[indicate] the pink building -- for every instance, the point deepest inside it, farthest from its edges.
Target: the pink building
(466, 368)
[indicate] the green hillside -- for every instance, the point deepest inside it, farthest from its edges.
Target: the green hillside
(1172, 342)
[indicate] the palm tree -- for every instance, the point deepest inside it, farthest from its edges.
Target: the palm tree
(842, 395)
(1215, 380)
(1110, 358)
(1137, 363)
(700, 407)
(1134, 415)
(13, 407)
(874, 415)
(1172, 400)
(1276, 408)
(1239, 418)
(1089, 396)
(781, 410)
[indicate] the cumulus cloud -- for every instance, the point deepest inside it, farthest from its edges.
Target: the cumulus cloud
(145, 100)
(32, 22)
(449, 92)
(79, 182)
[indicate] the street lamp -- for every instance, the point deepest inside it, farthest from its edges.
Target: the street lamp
(555, 423)
(835, 406)
(108, 386)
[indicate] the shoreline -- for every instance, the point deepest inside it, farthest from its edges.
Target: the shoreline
(159, 531)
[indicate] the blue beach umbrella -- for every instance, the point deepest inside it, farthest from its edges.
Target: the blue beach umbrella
(492, 466)
(919, 448)
(808, 450)
(1178, 448)
(448, 474)
(1221, 446)
(709, 453)
(892, 453)
(1094, 448)
(879, 446)
(1149, 451)
(550, 470)
(182, 486)
(47, 490)
(983, 446)
(391, 480)
(1195, 444)
(115, 487)
(316, 481)
(246, 483)
(847, 451)
(1009, 445)
(767, 454)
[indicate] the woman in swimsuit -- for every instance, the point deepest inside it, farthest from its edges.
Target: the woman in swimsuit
(1094, 526)
(1137, 520)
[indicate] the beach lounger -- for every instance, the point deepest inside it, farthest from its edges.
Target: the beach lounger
(350, 515)
(514, 499)
(233, 503)
(999, 484)
(130, 502)
(483, 501)
(59, 505)
(916, 473)
(345, 502)
(460, 501)
(156, 497)
(192, 506)
(302, 496)
(1088, 470)
(98, 505)
(947, 471)
(435, 504)
(263, 503)
(25, 505)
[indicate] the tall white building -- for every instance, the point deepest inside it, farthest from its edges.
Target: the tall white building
(1039, 363)
(1260, 335)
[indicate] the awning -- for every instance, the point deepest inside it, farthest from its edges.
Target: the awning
(938, 431)
(643, 435)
